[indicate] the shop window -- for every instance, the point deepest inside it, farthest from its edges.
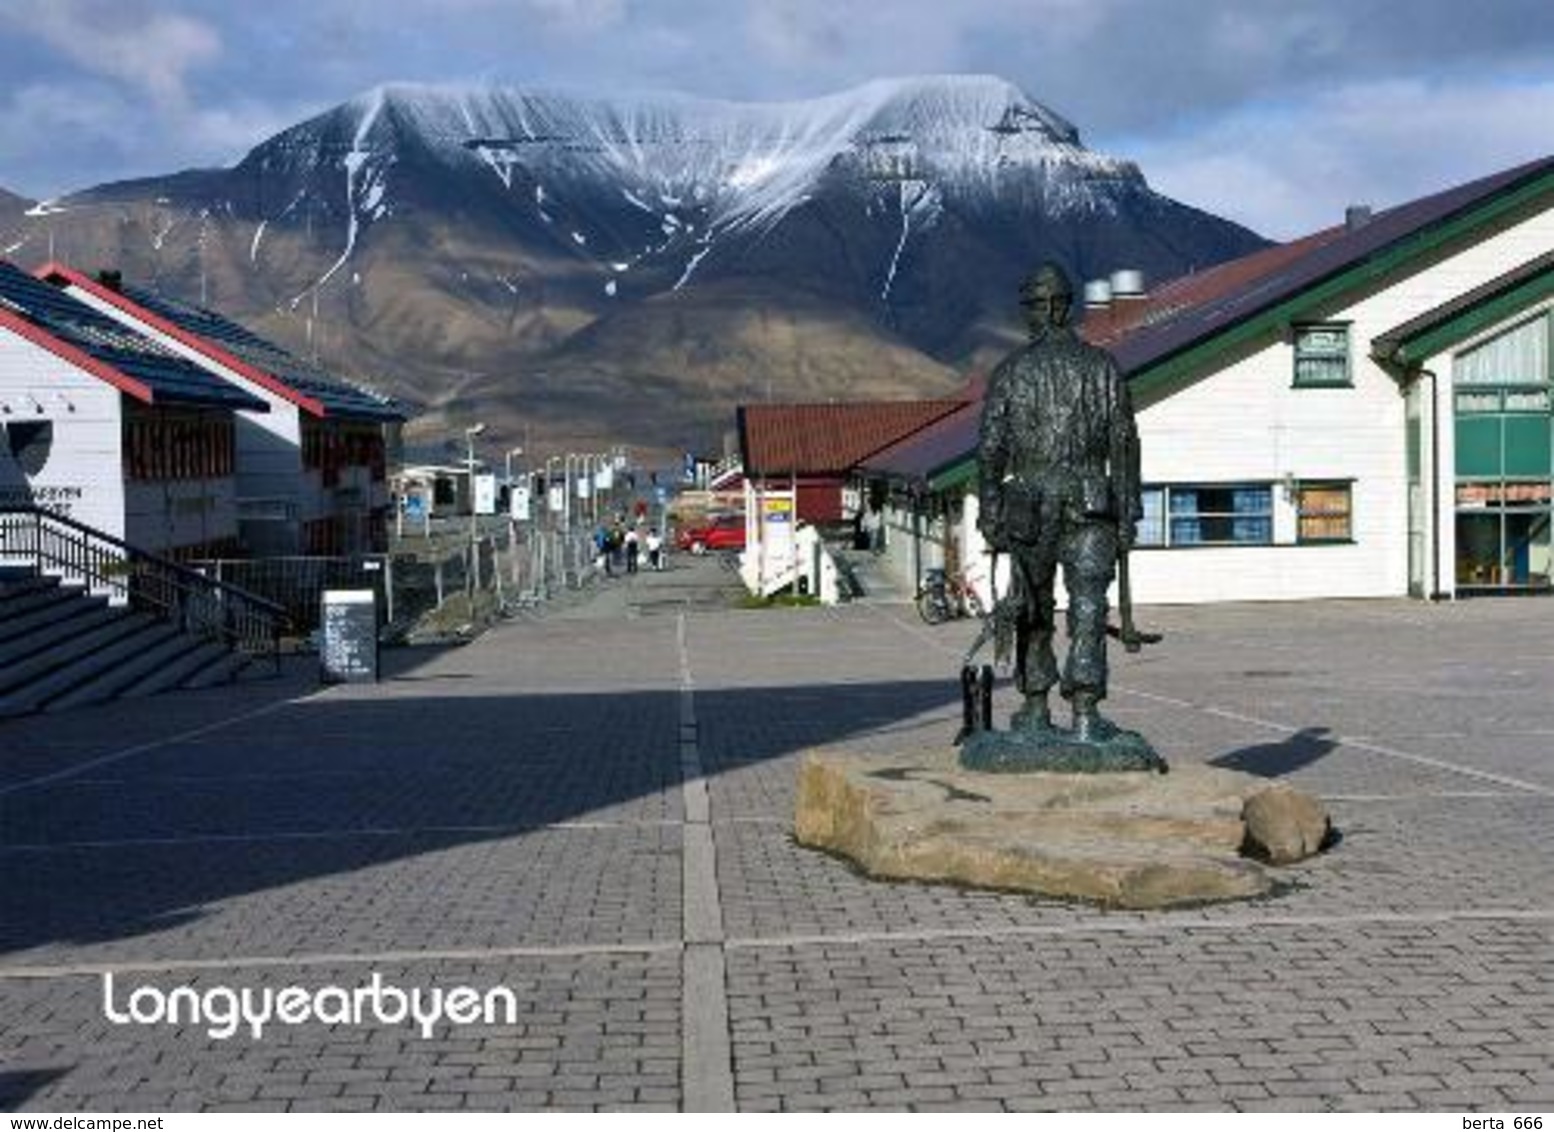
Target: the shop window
(1322, 356)
(1324, 512)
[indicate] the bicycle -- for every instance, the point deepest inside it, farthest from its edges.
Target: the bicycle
(943, 597)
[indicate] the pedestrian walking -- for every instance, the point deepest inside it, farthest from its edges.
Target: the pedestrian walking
(633, 550)
(655, 550)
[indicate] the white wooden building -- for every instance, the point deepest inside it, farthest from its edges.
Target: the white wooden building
(108, 428)
(1363, 413)
(311, 468)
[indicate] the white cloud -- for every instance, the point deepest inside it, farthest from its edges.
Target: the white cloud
(85, 132)
(1288, 170)
(144, 48)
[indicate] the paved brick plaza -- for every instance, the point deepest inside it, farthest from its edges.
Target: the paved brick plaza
(592, 809)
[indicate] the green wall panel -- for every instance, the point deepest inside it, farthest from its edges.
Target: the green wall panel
(1478, 446)
(1527, 446)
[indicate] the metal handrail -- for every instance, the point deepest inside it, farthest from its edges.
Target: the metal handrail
(202, 606)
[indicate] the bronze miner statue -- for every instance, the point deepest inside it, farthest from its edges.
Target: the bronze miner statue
(1058, 468)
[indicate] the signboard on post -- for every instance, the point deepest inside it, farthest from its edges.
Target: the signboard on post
(558, 498)
(519, 504)
(485, 494)
(348, 637)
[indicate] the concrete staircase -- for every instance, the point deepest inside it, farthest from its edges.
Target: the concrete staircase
(61, 647)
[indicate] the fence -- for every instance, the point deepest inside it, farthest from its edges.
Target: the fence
(195, 602)
(296, 584)
(501, 572)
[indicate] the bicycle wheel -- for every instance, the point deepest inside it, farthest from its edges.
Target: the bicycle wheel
(931, 607)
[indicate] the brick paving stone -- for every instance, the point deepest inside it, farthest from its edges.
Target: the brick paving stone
(524, 792)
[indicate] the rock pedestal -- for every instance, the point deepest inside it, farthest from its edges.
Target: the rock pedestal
(1129, 840)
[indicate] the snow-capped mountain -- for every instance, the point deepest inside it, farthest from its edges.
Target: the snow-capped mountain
(429, 231)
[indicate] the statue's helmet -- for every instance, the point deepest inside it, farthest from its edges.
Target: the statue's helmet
(1047, 283)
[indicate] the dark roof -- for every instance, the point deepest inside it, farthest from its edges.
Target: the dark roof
(1247, 294)
(217, 337)
(111, 351)
(917, 458)
(1206, 308)
(1398, 345)
(828, 439)
(337, 397)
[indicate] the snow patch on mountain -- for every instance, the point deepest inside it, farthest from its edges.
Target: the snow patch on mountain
(355, 161)
(749, 164)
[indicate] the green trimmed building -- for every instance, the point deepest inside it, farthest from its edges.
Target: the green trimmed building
(1365, 412)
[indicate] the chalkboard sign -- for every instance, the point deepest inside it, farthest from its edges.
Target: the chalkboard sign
(348, 650)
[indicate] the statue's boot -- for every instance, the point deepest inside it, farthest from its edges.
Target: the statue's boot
(1033, 714)
(1090, 726)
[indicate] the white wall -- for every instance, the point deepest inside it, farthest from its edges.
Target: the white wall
(163, 515)
(83, 475)
(269, 453)
(1245, 423)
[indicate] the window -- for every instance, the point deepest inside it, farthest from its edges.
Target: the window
(1207, 515)
(1323, 512)
(158, 446)
(1151, 528)
(1322, 356)
(1504, 431)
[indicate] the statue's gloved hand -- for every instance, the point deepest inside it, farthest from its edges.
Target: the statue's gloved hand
(993, 533)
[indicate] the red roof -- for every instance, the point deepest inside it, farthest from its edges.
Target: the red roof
(825, 439)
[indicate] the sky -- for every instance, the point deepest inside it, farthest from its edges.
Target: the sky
(1273, 113)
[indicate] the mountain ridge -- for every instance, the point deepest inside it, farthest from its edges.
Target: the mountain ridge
(519, 242)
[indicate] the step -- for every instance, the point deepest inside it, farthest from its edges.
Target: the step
(135, 668)
(10, 575)
(17, 674)
(41, 608)
(19, 588)
(51, 627)
(223, 670)
(143, 634)
(171, 675)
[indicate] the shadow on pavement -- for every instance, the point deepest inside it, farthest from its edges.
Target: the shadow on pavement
(333, 785)
(16, 1085)
(1274, 760)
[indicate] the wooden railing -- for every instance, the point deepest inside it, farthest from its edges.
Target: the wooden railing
(199, 605)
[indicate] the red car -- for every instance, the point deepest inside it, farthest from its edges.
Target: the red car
(722, 532)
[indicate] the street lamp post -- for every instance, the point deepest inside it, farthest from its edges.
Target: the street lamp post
(512, 519)
(470, 433)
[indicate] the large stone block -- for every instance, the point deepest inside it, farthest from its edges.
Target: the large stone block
(1131, 840)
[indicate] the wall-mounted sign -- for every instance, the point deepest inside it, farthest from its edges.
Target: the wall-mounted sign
(28, 443)
(777, 510)
(61, 499)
